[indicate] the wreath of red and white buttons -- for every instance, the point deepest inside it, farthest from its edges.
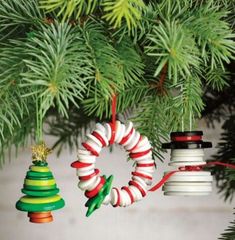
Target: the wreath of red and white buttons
(139, 150)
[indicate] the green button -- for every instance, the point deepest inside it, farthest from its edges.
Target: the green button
(44, 193)
(39, 188)
(39, 174)
(28, 207)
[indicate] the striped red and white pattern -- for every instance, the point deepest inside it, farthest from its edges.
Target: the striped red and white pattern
(139, 150)
(192, 182)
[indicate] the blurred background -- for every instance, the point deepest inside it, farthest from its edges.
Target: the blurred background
(155, 217)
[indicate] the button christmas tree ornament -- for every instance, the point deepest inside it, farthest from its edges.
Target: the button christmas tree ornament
(98, 189)
(40, 188)
(187, 152)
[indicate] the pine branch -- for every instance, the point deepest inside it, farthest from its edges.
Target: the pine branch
(143, 28)
(217, 78)
(13, 106)
(129, 10)
(226, 153)
(68, 9)
(116, 70)
(58, 67)
(21, 134)
(229, 233)
(132, 65)
(160, 84)
(188, 105)
(151, 118)
(221, 105)
(128, 98)
(171, 44)
(15, 14)
(105, 61)
(213, 34)
(230, 7)
(74, 128)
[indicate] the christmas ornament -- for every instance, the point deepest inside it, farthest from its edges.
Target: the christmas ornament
(40, 188)
(187, 152)
(99, 188)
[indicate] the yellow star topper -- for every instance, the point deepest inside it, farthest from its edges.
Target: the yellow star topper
(40, 152)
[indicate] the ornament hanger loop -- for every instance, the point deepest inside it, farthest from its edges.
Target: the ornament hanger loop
(114, 112)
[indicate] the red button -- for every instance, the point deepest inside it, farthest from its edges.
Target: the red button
(124, 139)
(90, 149)
(99, 137)
(139, 154)
(138, 174)
(87, 177)
(95, 191)
(118, 198)
(134, 183)
(78, 164)
(136, 144)
(145, 164)
(129, 193)
(186, 138)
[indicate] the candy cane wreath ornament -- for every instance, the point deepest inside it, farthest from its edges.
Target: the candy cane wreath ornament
(98, 188)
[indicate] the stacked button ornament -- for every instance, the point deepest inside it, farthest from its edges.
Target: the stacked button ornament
(41, 193)
(187, 152)
(98, 189)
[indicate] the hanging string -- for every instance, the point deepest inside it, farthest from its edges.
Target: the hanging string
(190, 120)
(39, 123)
(114, 109)
(186, 169)
(182, 118)
(113, 121)
(217, 163)
(162, 181)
